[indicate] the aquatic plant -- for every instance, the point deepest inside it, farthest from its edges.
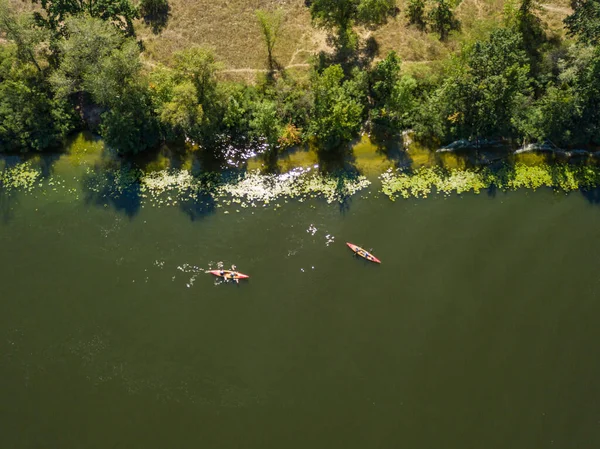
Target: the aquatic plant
(298, 183)
(21, 177)
(421, 182)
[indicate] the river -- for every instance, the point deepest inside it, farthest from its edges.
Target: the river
(477, 330)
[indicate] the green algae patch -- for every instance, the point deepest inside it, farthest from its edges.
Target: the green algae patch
(171, 187)
(423, 181)
(20, 177)
(83, 148)
(420, 155)
(368, 158)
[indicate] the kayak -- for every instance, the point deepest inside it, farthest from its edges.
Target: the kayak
(227, 274)
(363, 253)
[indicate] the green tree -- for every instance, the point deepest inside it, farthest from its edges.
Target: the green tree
(155, 13)
(199, 66)
(555, 117)
(19, 29)
(415, 12)
(586, 83)
(129, 124)
(265, 122)
(391, 95)
(339, 16)
(567, 112)
(485, 88)
(525, 21)
(82, 55)
(338, 108)
(442, 19)
(295, 101)
(182, 111)
(121, 13)
(270, 24)
(190, 103)
(383, 78)
(108, 68)
(585, 21)
(154, 8)
(30, 116)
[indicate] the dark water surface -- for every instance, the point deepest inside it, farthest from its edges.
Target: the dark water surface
(479, 330)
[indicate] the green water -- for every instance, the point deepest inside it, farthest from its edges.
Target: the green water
(478, 330)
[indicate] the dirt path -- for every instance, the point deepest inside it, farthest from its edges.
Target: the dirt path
(250, 70)
(558, 9)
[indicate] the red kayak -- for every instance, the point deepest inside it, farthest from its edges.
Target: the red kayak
(363, 253)
(229, 275)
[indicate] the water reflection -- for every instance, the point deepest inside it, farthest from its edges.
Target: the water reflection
(198, 182)
(118, 188)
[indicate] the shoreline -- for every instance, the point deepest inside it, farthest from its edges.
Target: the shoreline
(173, 177)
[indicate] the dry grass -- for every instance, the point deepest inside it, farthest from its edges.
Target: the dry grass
(230, 28)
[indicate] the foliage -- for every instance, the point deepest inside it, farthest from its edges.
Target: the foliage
(339, 16)
(290, 136)
(121, 13)
(199, 66)
(109, 69)
(585, 21)
(484, 89)
(391, 96)
(338, 109)
(155, 13)
(442, 19)
(19, 29)
(523, 19)
(567, 112)
(129, 125)
(81, 56)
(153, 8)
(265, 122)
(511, 82)
(416, 13)
(182, 112)
(295, 101)
(270, 25)
(30, 117)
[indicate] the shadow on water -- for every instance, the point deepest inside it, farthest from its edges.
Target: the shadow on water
(118, 188)
(591, 195)
(339, 164)
(199, 208)
(200, 202)
(44, 162)
(391, 146)
(7, 200)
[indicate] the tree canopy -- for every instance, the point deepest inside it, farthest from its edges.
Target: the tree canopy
(119, 12)
(585, 21)
(339, 16)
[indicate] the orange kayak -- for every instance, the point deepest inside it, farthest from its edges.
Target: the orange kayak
(228, 274)
(363, 253)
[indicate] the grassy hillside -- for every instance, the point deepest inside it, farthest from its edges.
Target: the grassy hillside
(230, 28)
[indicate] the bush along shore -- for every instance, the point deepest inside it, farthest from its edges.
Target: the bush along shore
(65, 68)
